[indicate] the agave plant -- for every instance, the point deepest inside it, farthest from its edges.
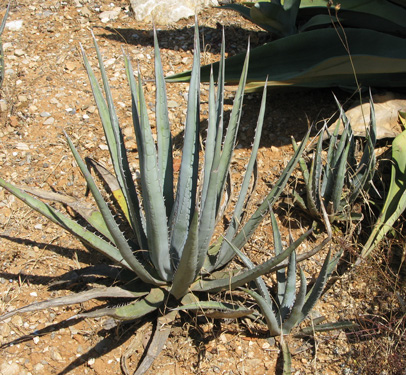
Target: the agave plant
(287, 310)
(2, 26)
(161, 231)
(294, 16)
(335, 183)
(366, 41)
(395, 201)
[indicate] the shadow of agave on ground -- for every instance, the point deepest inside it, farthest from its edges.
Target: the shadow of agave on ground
(83, 256)
(170, 39)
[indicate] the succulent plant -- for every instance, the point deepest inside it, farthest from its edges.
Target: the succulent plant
(321, 44)
(395, 201)
(160, 233)
(335, 178)
(288, 309)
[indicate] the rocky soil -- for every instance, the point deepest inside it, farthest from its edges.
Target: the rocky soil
(46, 91)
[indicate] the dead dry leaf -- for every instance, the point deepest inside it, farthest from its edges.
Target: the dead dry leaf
(387, 107)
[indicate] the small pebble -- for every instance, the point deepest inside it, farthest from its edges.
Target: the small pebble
(10, 369)
(49, 121)
(14, 25)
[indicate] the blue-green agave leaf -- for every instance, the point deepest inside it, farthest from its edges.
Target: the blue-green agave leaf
(110, 292)
(289, 294)
(164, 137)
(242, 196)
(250, 274)
(339, 180)
(214, 138)
(69, 224)
(188, 268)
(318, 287)
(232, 129)
(135, 310)
(89, 213)
(287, 358)
(277, 243)
(316, 171)
(262, 288)
(116, 145)
(296, 311)
(266, 309)
(185, 200)
(226, 310)
(152, 196)
(366, 167)
(395, 201)
(118, 236)
(210, 142)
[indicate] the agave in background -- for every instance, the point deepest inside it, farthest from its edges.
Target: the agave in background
(168, 256)
(337, 178)
(357, 43)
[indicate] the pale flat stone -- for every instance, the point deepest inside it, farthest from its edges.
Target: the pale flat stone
(167, 11)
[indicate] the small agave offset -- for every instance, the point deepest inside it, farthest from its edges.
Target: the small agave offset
(335, 183)
(169, 255)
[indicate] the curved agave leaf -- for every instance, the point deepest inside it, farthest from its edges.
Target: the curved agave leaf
(189, 266)
(116, 145)
(225, 251)
(217, 310)
(119, 238)
(318, 287)
(111, 181)
(339, 180)
(185, 200)
(266, 309)
(318, 59)
(157, 343)
(84, 209)
(112, 292)
(68, 224)
(275, 17)
(164, 137)
(250, 274)
(366, 167)
(262, 288)
(289, 294)
(309, 331)
(287, 358)
(153, 301)
(296, 311)
(151, 185)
